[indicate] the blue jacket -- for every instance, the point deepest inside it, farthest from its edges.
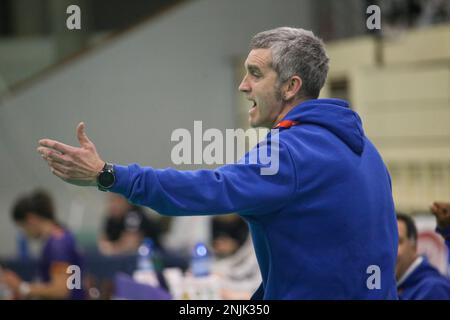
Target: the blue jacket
(425, 283)
(318, 225)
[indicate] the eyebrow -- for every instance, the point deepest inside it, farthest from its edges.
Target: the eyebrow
(252, 67)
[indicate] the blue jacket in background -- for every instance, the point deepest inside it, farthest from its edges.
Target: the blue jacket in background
(319, 226)
(425, 283)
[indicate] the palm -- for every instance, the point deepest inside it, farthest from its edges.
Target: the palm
(74, 165)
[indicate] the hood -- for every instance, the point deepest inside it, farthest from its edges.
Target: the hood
(336, 116)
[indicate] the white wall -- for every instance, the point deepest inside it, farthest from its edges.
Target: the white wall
(23, 57)
(132, 94)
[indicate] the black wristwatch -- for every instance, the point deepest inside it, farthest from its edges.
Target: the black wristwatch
(106, 177)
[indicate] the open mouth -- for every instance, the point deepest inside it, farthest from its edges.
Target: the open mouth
(253, 106)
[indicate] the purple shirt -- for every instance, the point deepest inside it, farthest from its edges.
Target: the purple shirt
(60, 247)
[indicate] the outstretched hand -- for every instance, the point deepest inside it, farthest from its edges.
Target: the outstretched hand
(441, 210)
(76, 165)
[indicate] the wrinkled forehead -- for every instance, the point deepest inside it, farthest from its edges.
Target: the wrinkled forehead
(260, 58)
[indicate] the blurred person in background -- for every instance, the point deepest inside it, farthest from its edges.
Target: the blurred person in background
(229, 232)
(441, 210)
(35, 215)
(125, 227)
(417, 279)
(235, 262)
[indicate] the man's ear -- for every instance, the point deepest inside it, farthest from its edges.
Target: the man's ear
(292, 87)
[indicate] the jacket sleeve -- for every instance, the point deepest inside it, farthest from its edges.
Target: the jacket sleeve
(239, 187)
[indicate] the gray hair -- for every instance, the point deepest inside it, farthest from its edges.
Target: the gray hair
(296, 52)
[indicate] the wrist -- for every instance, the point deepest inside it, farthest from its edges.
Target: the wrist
(101, 164)
(98, 170)
(106, 177)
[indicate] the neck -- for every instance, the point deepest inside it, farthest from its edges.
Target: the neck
(401, 276)
(288, 106)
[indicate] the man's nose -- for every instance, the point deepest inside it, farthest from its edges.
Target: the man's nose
(244, 86)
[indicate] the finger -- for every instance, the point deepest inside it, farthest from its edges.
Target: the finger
(43, 156)
(82, 136)
(56, 145)
(59, 167)
(54, 156)
(45, 152)
(60, 174)
(58, 158)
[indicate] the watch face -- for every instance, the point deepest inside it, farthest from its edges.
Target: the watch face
(106, 179)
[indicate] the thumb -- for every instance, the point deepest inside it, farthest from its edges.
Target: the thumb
(81, 135)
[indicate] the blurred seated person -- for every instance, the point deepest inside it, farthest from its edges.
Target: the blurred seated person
(35, 214)
(125, 227)
(239, 273)
(416, 278)
(229, 232)
(441, 210)
(236, 264)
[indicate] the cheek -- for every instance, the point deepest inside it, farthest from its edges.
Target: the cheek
(400, 251)
(268, 101)
(405, 251)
